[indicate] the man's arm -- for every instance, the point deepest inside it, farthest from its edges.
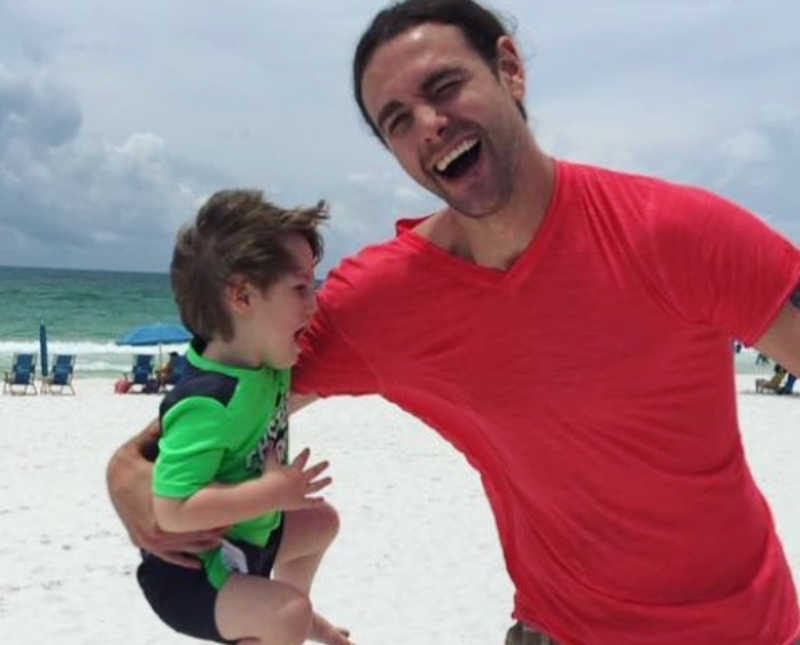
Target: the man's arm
(280, 487)
(129, 477)
(781, 342)
(298, 401)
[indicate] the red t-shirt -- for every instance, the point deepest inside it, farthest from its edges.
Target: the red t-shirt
(592, 387)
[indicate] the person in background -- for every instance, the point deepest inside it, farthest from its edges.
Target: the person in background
(165, 372)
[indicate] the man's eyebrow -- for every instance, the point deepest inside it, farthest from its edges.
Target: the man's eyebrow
(427, 86)
(386, 112)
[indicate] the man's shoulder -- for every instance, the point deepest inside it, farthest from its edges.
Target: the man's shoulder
(634, 185)
(375, 267)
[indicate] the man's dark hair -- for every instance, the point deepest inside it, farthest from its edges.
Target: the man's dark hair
(236, 232)
(480, 27)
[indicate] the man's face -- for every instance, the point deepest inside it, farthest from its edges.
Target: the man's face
(453, 125)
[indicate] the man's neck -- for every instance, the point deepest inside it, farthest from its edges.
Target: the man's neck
(496, 241)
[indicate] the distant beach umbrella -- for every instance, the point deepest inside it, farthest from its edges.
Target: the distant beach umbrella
(43, 347)
(156, 334)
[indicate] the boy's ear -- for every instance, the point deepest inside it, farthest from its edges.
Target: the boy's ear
(237, 295)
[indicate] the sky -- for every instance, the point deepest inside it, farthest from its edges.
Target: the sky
(118, 119)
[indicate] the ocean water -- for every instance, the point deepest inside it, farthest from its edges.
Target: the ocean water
(84, 313)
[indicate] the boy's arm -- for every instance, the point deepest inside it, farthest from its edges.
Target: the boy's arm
(278, 488)
(128, 477)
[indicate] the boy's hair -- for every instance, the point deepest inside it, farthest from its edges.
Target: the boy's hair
(480, 27)
(236, 232)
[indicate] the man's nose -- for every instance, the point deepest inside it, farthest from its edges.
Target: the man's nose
(431, 121)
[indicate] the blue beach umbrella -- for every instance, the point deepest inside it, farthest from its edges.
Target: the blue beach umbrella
(156, 334)
(43, 347)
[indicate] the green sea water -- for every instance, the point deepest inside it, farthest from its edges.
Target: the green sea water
(84, 313)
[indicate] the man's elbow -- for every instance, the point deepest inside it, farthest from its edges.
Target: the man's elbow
(118, 470)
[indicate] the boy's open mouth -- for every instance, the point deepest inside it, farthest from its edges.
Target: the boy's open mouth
(458, 161)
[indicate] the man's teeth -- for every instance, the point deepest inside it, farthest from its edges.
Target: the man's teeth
(454, 154)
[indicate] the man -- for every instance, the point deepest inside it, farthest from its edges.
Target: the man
(518, 322)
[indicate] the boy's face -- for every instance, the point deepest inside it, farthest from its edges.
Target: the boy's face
(283, 311)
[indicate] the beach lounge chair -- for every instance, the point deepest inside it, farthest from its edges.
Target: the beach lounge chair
(772, 384)
(23, 371)
(61, 375)
(142, 372)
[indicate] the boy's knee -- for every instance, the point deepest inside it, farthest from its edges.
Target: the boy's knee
(329, 520)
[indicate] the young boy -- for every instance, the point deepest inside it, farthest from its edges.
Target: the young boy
(243, 279)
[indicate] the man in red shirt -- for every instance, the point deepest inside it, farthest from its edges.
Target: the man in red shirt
(568, 329)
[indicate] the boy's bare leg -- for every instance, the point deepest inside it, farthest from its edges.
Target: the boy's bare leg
(259, 611)
(307, 533)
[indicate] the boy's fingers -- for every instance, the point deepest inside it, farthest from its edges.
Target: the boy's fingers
(315, 470)
(301, 459)
(313, 487)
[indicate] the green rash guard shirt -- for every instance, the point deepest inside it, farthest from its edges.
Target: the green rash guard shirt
(219, 423)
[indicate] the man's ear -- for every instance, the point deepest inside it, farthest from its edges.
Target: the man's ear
(510, 67)
(237, 295)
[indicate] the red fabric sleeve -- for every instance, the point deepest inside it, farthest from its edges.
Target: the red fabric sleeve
(720, 265)
(329, 364)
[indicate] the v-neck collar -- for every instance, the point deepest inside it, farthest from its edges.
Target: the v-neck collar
(497, 278)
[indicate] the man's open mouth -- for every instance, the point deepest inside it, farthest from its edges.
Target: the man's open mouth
(459, 160)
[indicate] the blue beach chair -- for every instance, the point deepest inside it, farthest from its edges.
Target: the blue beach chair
(22, 374)
(61, 375)
(788, 387)
(142, 372)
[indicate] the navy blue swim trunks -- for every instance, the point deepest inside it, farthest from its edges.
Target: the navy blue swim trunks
(184, 599)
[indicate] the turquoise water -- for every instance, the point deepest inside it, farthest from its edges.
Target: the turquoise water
(84, 313)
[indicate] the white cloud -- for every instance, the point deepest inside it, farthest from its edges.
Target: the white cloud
(117, 120)
(747, 147)
(77, 201)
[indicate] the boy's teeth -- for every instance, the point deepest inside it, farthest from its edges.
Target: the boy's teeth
(454, 154)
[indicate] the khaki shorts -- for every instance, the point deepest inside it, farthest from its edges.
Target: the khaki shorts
(519, 634)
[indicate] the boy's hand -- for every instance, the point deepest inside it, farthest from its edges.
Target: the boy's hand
(291, 487)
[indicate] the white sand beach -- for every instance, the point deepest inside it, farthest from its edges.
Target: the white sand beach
(417, 560)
